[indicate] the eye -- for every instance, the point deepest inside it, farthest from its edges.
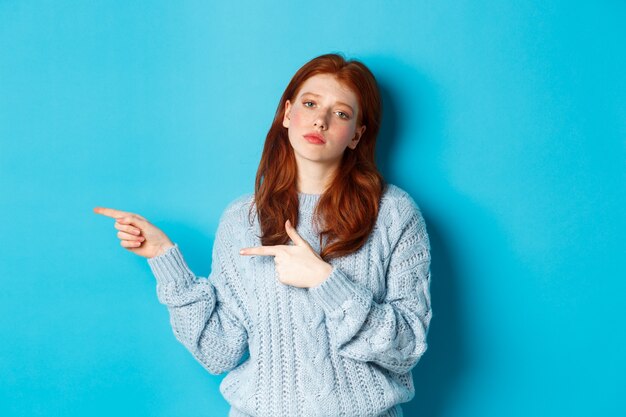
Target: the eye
(343, 115)
(308, 103)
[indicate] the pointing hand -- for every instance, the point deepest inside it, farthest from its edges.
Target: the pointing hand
(136, 233)
(297, 265)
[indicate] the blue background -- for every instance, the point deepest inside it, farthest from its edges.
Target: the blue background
(506, 122)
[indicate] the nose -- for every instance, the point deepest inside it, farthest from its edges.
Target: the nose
(321, 120)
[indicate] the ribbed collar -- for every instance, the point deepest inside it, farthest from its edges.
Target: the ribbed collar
(308, 201)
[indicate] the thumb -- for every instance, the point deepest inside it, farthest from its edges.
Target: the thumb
(293, 234)
(133, 219)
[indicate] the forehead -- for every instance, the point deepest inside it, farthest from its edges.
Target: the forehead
(327, 85)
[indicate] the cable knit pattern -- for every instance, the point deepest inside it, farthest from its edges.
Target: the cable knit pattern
(344, 348)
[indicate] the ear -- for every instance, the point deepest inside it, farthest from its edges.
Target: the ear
(357, 136)
(286, 116)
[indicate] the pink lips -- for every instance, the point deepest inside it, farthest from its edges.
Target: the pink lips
(314, 138)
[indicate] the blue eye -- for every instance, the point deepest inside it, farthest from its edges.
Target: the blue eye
(306, 104)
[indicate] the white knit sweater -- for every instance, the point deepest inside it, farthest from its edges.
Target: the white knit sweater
(343, 348)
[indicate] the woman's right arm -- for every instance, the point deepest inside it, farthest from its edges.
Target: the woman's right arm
(206, 314)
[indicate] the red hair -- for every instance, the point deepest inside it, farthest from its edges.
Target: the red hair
(348, 208)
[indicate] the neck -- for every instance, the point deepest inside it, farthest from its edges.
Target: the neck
(314, 177)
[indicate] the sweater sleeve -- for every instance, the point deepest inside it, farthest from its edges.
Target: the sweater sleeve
(206, 314)
(392, 333)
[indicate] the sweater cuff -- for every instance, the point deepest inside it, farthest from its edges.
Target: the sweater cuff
(338, 293)
(170, 267)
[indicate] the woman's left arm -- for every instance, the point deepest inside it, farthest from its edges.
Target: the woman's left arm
(393, 333)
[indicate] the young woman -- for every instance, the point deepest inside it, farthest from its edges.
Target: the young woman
(321, 276)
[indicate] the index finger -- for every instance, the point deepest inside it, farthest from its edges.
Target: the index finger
(260, 250)
(109, 212)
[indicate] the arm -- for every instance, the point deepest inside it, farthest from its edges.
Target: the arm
(393, 333)
(206, 315)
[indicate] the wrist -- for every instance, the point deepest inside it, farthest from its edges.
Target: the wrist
(164, 248)
(325, 270)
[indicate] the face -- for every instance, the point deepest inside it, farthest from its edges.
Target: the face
(322, 120)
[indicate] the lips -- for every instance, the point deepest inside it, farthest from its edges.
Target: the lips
(314, 138)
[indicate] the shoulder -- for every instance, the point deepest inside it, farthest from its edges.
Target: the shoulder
(398, 203)
(236, 213)
(399, 212)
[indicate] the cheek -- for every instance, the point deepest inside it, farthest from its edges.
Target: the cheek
(296, 117)
(346, 132)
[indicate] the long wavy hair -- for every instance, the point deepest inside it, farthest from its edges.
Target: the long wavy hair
(348, 208)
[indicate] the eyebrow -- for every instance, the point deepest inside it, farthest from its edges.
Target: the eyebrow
(339, 102)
